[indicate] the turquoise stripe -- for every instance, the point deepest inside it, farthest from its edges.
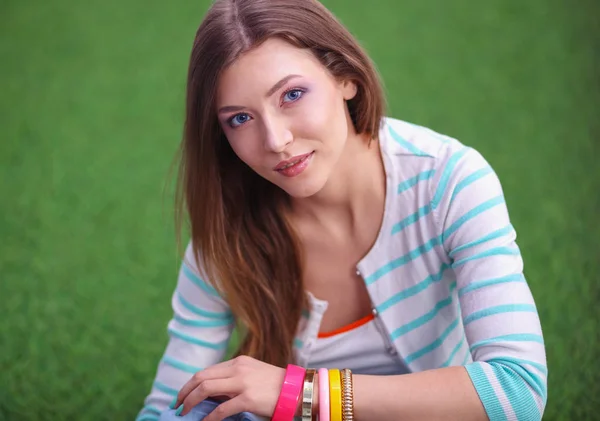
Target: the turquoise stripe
(489, 237)
(405, 185)
(470, 180)
(411, 219)
(513, 337)
(424, 248)
(432, 346)
(147, 417)
(199, 282)
(180, 365)
(505, 308)
(466, 359)
(445, 178)
(409, 146)
(196, 341)
(477, 210)
(202, 323)
(496, 251)
(486, 392)
(520, 361)
(427, 317)
(204, 313)
(517, 392)
(305, 314)
(396, 263)
(533, 380)
(165, 389)
(152, 409)
(518, 277)
(415, 289)
(454, 352)
(298, 343)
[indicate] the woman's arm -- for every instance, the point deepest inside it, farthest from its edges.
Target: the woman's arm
(199, 332)
(442, 394)
(498, 312)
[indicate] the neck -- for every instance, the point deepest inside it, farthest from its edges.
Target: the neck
(356, 184)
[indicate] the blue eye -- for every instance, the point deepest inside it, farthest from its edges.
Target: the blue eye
(238, 119)
(293, 95)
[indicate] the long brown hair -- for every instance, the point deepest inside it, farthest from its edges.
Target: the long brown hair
(240, 232)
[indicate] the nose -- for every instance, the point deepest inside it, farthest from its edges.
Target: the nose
(277, 135)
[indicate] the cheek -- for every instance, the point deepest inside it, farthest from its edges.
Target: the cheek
(242, 148)
(332, 119)
(248, 146)
(321, 113)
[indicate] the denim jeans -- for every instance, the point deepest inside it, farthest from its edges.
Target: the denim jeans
(202, 410)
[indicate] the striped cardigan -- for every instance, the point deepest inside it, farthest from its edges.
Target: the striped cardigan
(445, 277)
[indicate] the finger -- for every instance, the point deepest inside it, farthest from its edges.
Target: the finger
(218, 371)
(208, 388)
(226, 409)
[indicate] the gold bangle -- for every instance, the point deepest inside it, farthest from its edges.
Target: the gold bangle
(347, 395)
(308, 414)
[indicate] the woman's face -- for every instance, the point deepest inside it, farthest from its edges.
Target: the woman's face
(285, 116)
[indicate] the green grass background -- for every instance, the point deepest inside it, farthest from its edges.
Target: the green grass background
(91, 106)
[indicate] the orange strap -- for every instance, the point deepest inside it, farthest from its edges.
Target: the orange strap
(347, 328)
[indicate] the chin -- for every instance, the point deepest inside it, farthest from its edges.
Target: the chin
(302, 189)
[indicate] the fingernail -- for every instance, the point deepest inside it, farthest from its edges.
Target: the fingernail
(178, 412)
(173, 402)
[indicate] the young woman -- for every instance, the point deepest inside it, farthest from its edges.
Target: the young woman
(335, 237)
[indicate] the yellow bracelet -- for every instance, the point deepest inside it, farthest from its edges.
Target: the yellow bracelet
(335, 395)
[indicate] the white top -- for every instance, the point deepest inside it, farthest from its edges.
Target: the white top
(362, 350)
(445, 276)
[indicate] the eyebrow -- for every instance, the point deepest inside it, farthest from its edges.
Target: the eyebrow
(279, 84)
(270, 92)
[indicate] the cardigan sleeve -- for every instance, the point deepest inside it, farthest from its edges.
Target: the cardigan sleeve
(199, 332)
(497, 307)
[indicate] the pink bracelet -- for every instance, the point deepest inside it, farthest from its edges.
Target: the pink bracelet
(323, 394)
(287, 403)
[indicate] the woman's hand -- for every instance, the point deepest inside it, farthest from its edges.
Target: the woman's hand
(250, 385)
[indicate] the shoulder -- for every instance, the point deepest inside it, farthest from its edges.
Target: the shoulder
(449, 180)
(442, 154)
(402, 138)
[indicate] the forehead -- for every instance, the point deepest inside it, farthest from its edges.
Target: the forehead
(260, 68)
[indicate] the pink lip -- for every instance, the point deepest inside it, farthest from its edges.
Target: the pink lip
(289, 161)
